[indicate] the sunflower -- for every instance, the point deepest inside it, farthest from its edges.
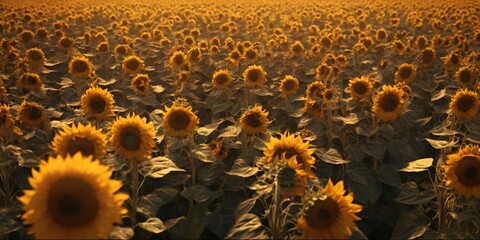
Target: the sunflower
(7, 123)
(428, 56)
(388, 103)
(194, 55)
(406, 73)
(322, 71)
(29, 81)
(328, 213)
(381, 35)
(132, 137)
(292, 178)
(65, 43)
(41, 33)
(35, 58)
(251, 54)
(97, 103)
(178, 59)
(179, 120)
(288, 85)
(80, 67)
(141, 84)
(31, 113)
(289, 146)
(465, 76)
(234, 57)
(72, 197)
(462, 172)
(464, 104)
(103, 48)
(132, 65)
(121, 50)
(399, 47)
(254, 76)
(221, 79)
(452, 60)
(315, 90)
(254, 120)
(360, 88)
(86, 139)
(297, 48)
(219, 151)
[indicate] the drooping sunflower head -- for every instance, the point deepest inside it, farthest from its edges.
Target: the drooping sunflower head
(194, 55)
(315, 90)
(462, 172)
(421, 42)
(29, 81)
(254, 120)
(103, 48)
(464, 104)
(255, 76)
(453, 59)
(292, 178)
(220, 152)
(121, 50)
(66, 43)
(465, 76)
(97, 103)
(132, 137)
(26, 36)
(360, 88)
(288, 146)
(35, 57)
(179, 120)
(221, 79)
(178, 59)
(251, 54)
(72, 197)
(31, 113)
(80, 67)
(141, 84)
(132, 65)
(313, 107)
(297, 48)
(288, 85)
(399, 46)
(322, 71)
(406, 73)
(6, 120)
(234, 56)
(381, 35)
(428, 56)
(388, 103)
(85, 139)
(328, 214)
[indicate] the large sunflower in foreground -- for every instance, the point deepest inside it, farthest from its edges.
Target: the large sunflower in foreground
(132, 137)
(31, 113)
(72, 197)
(288, 145)
(360, 88)
(462, 172)
(254, 76)
(328, 214)
(80, 67)
(464, 104)
(179, 120)
(97, 103)
(254, 120)
(388, 104)
(85, 139)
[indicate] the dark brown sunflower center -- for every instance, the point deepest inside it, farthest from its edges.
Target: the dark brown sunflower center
(289, 85)
(179, 120)
(253, 75)
(289, 153)
(121, 50)
(421, 42)
(454, 59)
(286, 177)
(189, 41)
(465, 76)
(3, 118)
(194, 54)
(427, 56)
(72, 202)
(97, 105)
(251, 54)
(381, 35)
(130, 138)
(66, 42)
(26, 37)
(406, 72)
(323, 213)
(35, 56)
(389, 103)
(178, 59)
(221, 79)
(34, 112)
(80, 66)
(328, 95)
(465, 103)
(31, 80)
(133, 64)
(360, 88)
(468, 171)
(235, 55)
(83, 145)
(103, 48)
(297, 48)
(253, 119)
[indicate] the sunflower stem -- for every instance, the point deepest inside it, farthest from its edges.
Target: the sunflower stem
(134, 192)
(329, 128)
(276, 228)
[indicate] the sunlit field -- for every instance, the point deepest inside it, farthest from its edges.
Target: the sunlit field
(331, 119)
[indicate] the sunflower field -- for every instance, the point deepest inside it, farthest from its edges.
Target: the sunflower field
(266, 119)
